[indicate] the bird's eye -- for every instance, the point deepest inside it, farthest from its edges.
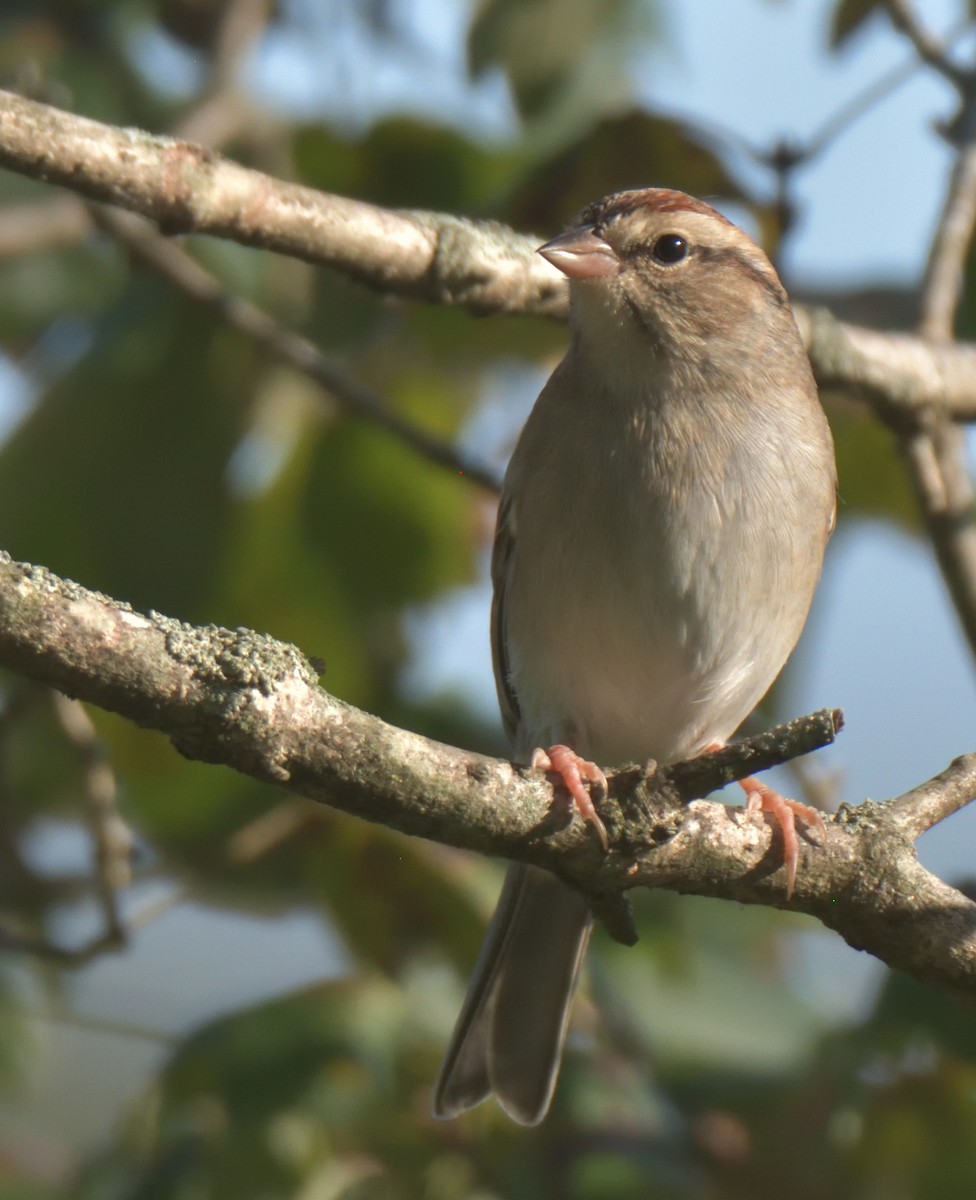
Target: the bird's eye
(670, 248)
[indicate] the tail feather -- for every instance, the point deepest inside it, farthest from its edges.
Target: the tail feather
(509, 1037)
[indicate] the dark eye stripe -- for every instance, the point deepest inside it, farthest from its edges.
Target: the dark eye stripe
(767, 281)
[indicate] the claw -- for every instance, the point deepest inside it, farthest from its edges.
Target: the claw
(573, 771)
(760, 798)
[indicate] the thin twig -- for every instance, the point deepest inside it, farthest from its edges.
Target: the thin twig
(942, 282)
(940, 477)
(224, 111)
(806, 150)
(104, 1025)
(861, 103)
(930, 49)
(270, 829)
(935, 452)
(152, 910)
(931, 802)
(185, 273)
(12, 942)
(112, 838)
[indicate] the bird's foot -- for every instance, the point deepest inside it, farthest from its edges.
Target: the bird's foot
(575, 772)
(761, 798)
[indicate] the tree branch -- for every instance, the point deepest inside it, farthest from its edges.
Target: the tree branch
(935, 452)
(928, 48)
(251, 703)
(112, 840)
(903, 378)
(483, 266)
(942, 285)
(186, 188)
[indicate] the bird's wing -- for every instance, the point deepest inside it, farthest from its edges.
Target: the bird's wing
(502, 560)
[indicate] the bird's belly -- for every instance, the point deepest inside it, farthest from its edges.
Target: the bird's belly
(623, 689)
(654, 590)
(663, 643)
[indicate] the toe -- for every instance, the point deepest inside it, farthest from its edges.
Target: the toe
(762, 798)
(575, 772)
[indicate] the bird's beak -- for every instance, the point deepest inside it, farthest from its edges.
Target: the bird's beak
(581, 253)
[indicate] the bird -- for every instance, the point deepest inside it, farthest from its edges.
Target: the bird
(660, 534)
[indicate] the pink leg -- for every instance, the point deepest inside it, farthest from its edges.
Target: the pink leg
(760, 797)
(573, 770)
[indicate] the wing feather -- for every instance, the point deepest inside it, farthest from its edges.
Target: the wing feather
(502, 562)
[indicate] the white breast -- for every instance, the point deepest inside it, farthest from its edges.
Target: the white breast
(654, 591)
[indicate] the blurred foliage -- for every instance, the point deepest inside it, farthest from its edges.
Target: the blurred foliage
(545, 47)
(849, 17)
(871, 480)
(325, 1092)
(619, 152)
(162, 458)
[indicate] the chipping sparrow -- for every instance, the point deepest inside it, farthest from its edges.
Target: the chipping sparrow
(660, 535)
